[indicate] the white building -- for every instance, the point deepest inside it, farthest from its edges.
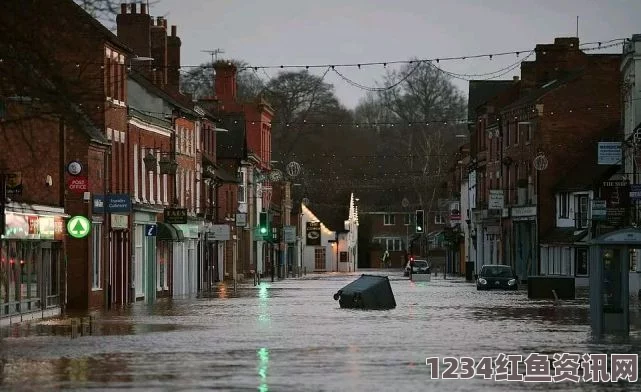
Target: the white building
(631, 91)
(324, 250)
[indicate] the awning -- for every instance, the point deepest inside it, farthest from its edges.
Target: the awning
(168, 232)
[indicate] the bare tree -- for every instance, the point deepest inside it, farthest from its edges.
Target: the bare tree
(424, 105)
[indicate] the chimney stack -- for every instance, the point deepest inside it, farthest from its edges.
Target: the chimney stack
(173, 61)
(159, 51)
(134, 30)
(225, 82)
(143, 8)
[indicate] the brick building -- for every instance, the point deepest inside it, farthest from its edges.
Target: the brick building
(86, 71)
(558, 110)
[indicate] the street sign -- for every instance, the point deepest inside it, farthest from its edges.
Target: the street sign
(151, 230)
(78, 226)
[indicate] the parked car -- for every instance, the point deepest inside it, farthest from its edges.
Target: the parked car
(419, 266)
(496, 276)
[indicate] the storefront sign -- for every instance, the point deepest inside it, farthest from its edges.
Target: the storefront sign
(313, 233)
(34, 227)
(219, 233)
(175, 216)
(79, 184)
(78, 226)
(496, 201)
(523, 211)
(117, 203)
(241, 220)
(119, 221)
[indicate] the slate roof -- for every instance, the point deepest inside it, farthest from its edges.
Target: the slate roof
(480, 91)
(333, 215)
(537, 93)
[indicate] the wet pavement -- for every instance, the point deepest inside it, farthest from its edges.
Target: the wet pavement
(291, 335)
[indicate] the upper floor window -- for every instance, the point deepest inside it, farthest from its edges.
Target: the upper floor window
(438, 218)
(389, 220)
(581, 218)
(407, 219)
(564, 199)
(242, 194)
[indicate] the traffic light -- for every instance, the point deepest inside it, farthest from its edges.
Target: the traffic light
(263, 224)
(420, 221)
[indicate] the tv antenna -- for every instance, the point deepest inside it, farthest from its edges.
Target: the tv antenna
(214, 54)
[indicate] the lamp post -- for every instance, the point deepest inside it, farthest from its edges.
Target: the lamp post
(540, 164)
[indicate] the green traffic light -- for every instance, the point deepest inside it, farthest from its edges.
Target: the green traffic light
(263, 230)
(419, 228)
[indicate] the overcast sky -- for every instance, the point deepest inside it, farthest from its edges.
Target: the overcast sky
(351, 31)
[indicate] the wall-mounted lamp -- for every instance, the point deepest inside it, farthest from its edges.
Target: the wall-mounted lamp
(48, 180)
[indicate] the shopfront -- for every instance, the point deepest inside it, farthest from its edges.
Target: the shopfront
(170, 240)
(185, 278)
(31, 262)
(144, 255)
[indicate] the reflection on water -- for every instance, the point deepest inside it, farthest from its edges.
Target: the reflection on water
(292, 335)
(263, 364)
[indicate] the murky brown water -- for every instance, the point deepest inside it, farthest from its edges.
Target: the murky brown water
(292, 336)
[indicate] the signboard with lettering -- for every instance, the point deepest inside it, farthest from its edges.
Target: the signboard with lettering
(617, 197)
(176, 216)
(313, 233)
(35, 227)
(289, 234)
(610, 153)
(219, 233)
(78, 184)
(599, 209)
(116, 203)
(496, 201)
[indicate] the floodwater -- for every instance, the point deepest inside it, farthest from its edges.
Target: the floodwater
(291, 335)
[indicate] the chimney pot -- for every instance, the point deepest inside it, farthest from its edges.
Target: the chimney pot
(164, 23)
(143, 8)
(173, 30)
(159, 21)
(123, 8)
(133, 8)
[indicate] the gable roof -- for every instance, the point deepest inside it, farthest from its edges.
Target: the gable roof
(533, 95)
(152, 88)
(480, 91)
(332, 216)
(99, 27)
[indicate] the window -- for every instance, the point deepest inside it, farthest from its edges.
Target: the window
(390, 244)
(407, 220)
(581, 218)
(96, 237)
(563, 205)
(319, 259)
(242, 196)
(438, 218)
(389, 220)
(517, 136)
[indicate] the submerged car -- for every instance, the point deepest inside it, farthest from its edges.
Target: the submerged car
(419, 266)
(496, 276)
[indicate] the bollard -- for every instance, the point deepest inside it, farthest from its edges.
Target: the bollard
(305, 271)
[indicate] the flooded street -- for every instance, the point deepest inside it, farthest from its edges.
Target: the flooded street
(292, 336)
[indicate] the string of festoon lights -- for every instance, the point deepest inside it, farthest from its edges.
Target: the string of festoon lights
(596, 45)
(433, 122)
